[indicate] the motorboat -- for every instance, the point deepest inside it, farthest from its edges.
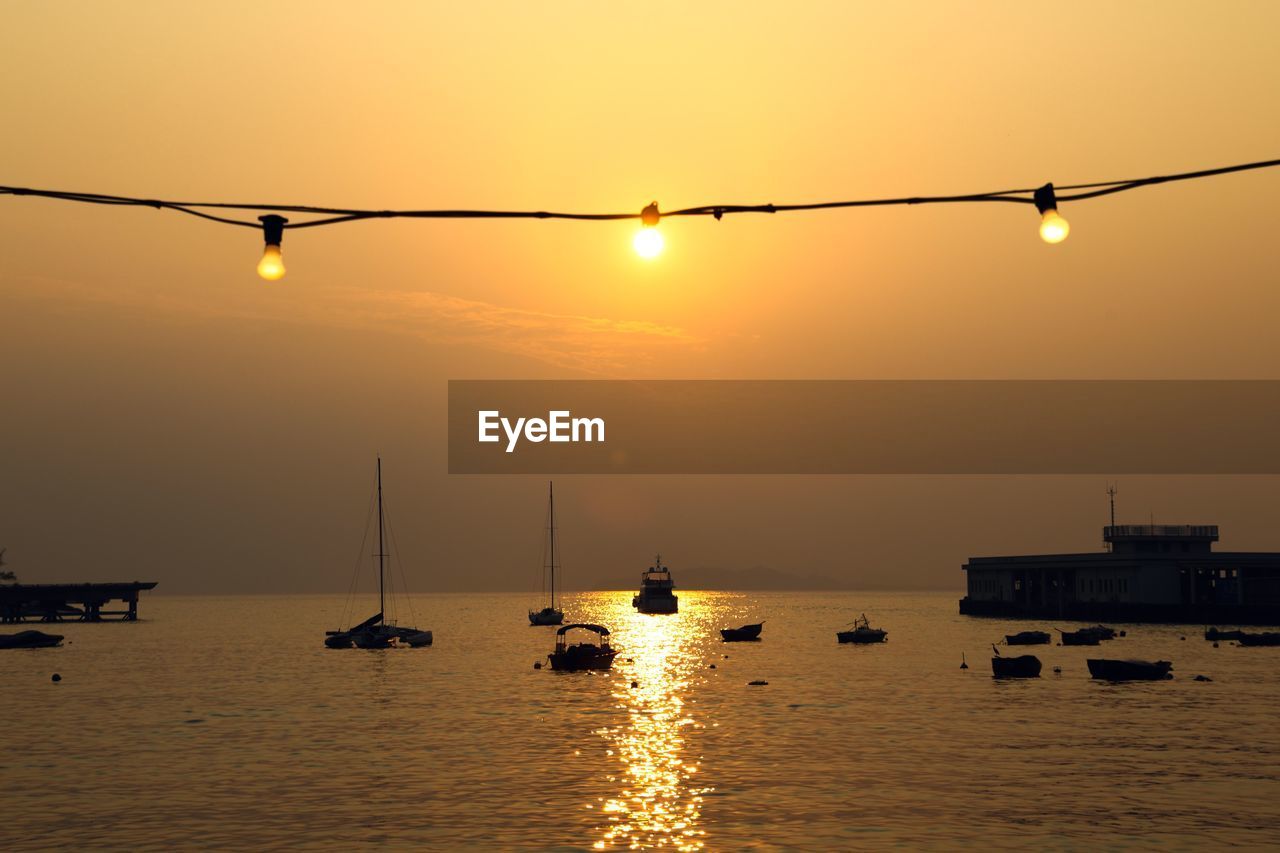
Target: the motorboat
(862, 633)
(1027, 638)
(656, 593)
(1130, 670)
(741, 635)
(572, 657)
(1215, 634)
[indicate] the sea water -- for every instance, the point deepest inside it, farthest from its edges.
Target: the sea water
(225, 722)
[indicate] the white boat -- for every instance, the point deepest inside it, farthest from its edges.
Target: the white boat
(549, 615)
(656, 590)
(377, 632)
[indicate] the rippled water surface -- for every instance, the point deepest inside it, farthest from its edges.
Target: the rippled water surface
(224, 722)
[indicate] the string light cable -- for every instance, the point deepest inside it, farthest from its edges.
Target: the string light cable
(648, 242)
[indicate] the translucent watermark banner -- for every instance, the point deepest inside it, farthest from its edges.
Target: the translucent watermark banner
(864, 427)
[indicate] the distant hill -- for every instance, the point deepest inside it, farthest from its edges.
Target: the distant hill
(754, 578)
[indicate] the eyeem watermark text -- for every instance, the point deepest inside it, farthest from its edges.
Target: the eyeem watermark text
(559, 426)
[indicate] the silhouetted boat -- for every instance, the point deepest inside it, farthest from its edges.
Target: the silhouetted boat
(1027, 638)
(579, 656)
(375, 632)
(549, 615)
(1268, 638)
(30, 640)
(656, 590)
(862, 633)
(743, 634)
(1022, 666)
(1083, 637)
(1130, 670)
(1101, 631)
(1215, 634)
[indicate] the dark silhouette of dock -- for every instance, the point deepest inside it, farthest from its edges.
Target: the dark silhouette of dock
(70, 602)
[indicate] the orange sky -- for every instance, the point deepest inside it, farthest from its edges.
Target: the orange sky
(169, 415)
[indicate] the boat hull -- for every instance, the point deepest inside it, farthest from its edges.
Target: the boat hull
(862, 637)
(1130, 670)
(1027, 638)
(582, 657)
(546, 616)
(646, 604)
(1080, 638)
(30, 640)
(1265, 639)
(1022, 666)
(745, 634)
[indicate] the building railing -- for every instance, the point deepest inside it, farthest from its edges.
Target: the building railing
(1168, 531)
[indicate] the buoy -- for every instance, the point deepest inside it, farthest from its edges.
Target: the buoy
(1215, 645)
(963, 663)
(631, 660)
(713, 666)
(635, 684)
(1203, 678)
(56, 677)
(1124, 634)
(1182, 638)
(1057, 670)
(726, 657)
(537, 664)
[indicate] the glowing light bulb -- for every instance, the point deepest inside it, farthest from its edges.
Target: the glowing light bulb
(1053, 228)
(648, 243)
(271, 267)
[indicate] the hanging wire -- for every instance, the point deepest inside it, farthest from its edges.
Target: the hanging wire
(336, 215)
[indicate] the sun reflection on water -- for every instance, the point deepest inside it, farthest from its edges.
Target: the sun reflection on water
(658, 801)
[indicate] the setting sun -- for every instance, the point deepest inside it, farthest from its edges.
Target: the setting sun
(648, 243)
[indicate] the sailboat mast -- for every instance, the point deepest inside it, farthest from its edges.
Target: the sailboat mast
(551, 501)
(382, 551)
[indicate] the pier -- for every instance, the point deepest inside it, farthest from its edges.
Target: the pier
(71, 602)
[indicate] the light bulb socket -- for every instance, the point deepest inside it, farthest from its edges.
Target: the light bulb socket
(650, 216)
(1045, 199)
(272, 229)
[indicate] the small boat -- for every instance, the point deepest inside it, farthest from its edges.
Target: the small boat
(1215, 634)
(580, 656)
(1130, 670)
(30, 640)
(1266, 638)
(656, 590)
(862, 633)
(1022, 666)
(1027, 638)
(741, 635)
(549, 615)
(375, 632)
(1102, 632)
(1083, 637)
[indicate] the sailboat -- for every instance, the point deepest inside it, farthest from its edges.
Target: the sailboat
(549, 615)
(376, 632)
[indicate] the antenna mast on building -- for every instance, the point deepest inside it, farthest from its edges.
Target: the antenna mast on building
(1111, 493)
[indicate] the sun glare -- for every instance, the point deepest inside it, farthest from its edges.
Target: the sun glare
(648, 243)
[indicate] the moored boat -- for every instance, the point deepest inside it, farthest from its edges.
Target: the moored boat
(1265, 638)
(1022, 666)
(1216, 634)
(740, 635)
(30, 640)
(1027, 638)
(376, 632)
(549, 615)
(862, 633)
(573, 657)
(1083, 637)
(1130, 670)
(656, 590)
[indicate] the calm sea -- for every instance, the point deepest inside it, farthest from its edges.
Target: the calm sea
(222, 722)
